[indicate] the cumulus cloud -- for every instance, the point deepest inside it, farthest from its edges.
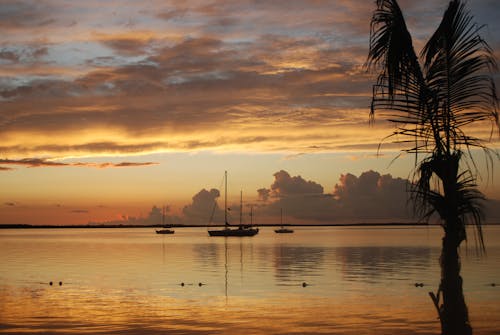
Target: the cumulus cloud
(369, 197)
(263, 194)
(285, 185)
(372, 195)
(203, 208)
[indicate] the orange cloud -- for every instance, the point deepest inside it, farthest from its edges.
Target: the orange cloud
(40, 162)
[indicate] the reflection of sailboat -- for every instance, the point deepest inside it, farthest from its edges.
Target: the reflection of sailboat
(283, 230)
(242, 230)
(164, 231)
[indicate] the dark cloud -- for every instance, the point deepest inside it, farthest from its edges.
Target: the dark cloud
(372, 195)
(187, 67)
(285, 185)
(25, 14)
(263, 194)
(32, 162)
(173, 14)
(9, 55)
(127, 46)
(40, 162)
(203, 208)
(369, 197)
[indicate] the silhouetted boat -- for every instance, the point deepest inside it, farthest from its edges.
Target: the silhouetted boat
(164, 231)
(241, 230)
(283, 230)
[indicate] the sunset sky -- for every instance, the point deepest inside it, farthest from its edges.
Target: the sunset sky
(110, 107)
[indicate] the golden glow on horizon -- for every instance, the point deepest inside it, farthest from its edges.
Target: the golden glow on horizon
(94, 95)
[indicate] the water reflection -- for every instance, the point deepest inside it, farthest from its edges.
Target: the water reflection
(375, 264)
(293, 262)
(128, 282)
(207, 255)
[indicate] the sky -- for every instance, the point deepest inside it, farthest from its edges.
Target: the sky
(108, 108)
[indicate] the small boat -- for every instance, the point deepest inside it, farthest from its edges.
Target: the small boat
(241, 230)
(164, 231)
(283, 230)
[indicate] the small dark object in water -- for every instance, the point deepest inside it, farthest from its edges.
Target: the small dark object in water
(493, 284)
(304, 284)
(50, 283)
(182, 284)
(200, 284)
(419, 284)
(60, 283)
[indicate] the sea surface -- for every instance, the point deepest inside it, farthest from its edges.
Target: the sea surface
(318, 280)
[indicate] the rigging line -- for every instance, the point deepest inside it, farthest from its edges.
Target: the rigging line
(211, 220)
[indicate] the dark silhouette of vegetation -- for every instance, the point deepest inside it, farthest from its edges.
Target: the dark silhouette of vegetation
(433, 100)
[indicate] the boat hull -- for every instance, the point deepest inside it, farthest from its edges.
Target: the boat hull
(238, 232)
(165, 231)
(283, 231)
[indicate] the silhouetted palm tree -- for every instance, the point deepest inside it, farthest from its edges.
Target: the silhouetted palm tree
(433, 100)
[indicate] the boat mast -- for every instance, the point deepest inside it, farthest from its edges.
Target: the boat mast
(241, 208)
(225, 199)
(251, 215)
(163, 216)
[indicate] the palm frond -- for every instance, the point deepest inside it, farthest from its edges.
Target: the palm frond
(428, 200)
(391, 50)
(457, 67)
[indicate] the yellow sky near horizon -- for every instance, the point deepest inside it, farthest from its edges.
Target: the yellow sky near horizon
(108, 110)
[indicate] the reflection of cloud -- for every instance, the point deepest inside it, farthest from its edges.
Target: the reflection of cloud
(80, 211)
(10, 204)
(374, 264)
(294, 263)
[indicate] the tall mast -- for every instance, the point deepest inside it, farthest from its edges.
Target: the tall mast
(241, 207)
(225, 198)
(251, 215)
(163, 216)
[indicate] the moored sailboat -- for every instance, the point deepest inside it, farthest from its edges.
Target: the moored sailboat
(283, 230)
(164, 231)
(241, 230)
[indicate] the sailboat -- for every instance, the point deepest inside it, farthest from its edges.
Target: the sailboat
(283, 230)
(164, 231)
(241, 230)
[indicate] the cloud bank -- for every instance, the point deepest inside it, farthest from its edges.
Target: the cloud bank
(371, 197)
(91, 78)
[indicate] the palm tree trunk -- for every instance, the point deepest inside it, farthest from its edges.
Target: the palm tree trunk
(453, 310)
(453, 313)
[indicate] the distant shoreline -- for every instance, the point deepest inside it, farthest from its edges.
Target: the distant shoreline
(93, 226)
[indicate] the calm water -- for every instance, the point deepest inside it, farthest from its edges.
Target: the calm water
(128, 281)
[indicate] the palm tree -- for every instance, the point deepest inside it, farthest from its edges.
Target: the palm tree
(432, 101)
